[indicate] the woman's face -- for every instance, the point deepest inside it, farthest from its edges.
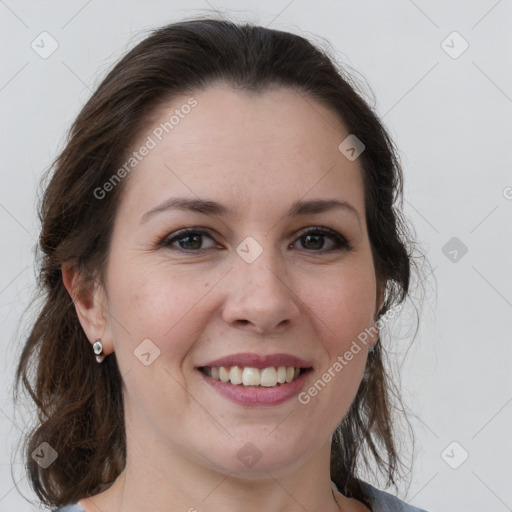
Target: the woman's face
(248, 175)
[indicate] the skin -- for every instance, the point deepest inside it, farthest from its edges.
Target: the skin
(255, 154)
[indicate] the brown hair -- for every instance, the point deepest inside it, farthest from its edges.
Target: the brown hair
(80, 403)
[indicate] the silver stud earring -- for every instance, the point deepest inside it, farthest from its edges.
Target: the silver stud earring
(98, 350)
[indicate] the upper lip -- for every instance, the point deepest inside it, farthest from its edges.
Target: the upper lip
(252, 360)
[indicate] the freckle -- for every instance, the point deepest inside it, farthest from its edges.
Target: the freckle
(206, 284)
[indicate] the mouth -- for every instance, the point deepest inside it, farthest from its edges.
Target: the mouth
(268, 377)
(256, 380)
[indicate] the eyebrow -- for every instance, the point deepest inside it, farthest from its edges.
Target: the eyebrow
(208, 207)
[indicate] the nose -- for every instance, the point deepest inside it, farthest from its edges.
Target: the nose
(260, 298)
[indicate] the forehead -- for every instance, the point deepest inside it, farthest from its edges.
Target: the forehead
(239, 145)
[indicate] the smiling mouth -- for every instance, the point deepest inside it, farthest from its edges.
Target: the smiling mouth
(273, 376)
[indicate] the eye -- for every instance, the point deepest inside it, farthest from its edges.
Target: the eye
(188, 239)
(314, 240)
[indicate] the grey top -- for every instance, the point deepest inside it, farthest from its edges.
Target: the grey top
(380, 502)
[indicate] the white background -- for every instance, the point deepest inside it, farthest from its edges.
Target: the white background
(451, 119)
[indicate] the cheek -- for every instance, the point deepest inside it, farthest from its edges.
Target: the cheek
(342, 314)
(342, 305)
(156, 304)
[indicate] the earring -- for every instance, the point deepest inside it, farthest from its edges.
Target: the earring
(372, 348)
(98, 350)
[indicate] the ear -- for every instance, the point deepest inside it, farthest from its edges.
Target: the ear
(91, 305)
(381, 289)
(381, 292)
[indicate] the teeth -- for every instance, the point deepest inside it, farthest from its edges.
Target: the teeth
(266, 377)
(235, 375)
(223, 374)
(251, 377)
(281, 374)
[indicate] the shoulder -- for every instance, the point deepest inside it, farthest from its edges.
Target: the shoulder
(73, 507)
(382, 501)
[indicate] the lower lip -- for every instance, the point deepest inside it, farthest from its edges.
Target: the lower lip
(257, 396)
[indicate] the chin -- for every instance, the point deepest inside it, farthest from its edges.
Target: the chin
(255, 457)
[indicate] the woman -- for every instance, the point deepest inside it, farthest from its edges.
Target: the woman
(221, 248)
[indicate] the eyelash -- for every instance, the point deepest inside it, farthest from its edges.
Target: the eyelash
(340, 242)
